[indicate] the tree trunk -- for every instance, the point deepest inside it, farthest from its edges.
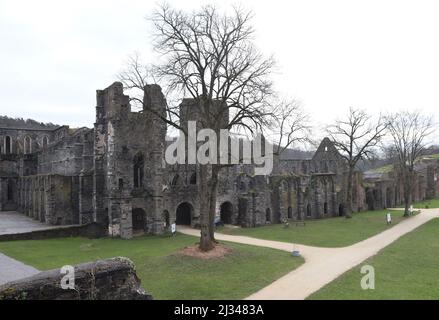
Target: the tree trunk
(212, 201)
(349, 194)
(206, 242)
(408, 186)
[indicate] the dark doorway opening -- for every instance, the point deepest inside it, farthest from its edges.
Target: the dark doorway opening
(184, 214)
(268, 215)
(290, 213)
(389, 198)
(370, 201)
(139, 219)
(308, 211)
(341, 210)
(10, 192)
(325, 208)
(226, 212)
(242, 211)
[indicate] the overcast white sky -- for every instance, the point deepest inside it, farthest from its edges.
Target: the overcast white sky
(380, 55)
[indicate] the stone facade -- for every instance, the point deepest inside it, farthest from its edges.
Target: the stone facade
(383, 189)
(115, 174)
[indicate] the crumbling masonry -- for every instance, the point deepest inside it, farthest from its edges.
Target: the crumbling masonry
(115, 174)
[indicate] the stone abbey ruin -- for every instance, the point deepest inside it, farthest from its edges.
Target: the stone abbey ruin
(115, 174)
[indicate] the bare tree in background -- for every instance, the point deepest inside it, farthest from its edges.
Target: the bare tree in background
(209, 57)
(409, 131)
(291, 126)
(356, 138)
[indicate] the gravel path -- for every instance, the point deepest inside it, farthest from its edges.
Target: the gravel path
(322, 265)
(15, 222)
(11, 269)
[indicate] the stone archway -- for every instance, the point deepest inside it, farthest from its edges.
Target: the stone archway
(184, 214)
(139, 219)
(226, 212)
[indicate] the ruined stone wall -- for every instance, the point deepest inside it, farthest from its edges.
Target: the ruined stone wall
(34, 140)
(128, 155)
(432, 181)
(49, 198)
(110, 279)
(43, 160)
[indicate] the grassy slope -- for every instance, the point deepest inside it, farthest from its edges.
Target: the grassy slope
(331, 232)
(407, 269)
(164, 274)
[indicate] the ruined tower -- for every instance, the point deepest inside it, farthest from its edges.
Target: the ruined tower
(129, 148)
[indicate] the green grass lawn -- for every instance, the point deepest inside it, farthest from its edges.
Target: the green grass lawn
(406, 269)
(165, 274)
(432, 203)
(330, 232)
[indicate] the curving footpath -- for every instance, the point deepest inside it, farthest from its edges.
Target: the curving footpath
(322, 265)
(11, 269)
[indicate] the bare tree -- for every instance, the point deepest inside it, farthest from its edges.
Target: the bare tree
(210, 57)
(409, 131)
(356, 138)
(291, 125)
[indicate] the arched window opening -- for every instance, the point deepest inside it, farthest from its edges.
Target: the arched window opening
(8, 145)
(45, 142)
(27, 145)
(138, 164)
(193, 178)
(175, 180)
(284, 186)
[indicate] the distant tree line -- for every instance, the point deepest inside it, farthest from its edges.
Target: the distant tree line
(8, 122)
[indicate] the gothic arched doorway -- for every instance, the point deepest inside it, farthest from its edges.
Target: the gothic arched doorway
(184, 214)
(226, 212)
(139, 219)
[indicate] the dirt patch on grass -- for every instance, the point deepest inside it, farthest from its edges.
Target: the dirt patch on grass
(218, 252)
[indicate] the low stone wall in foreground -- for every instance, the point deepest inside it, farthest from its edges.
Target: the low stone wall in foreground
(91, 230)
(110, 279)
